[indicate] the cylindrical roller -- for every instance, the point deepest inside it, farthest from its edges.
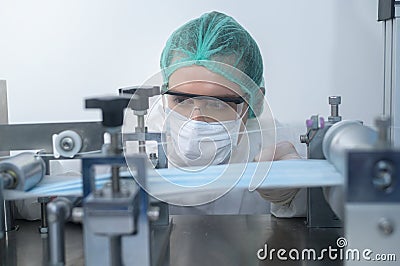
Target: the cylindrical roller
(344, 136)
(26, 168)
(339, 139)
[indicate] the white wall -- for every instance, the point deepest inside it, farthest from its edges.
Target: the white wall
(53, 53)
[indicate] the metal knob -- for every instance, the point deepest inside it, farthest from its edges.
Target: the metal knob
(112, 108)
(140, 96)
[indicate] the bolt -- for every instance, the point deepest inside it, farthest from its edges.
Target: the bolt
(336, 100)
(153, 213)
(385, 226)
(383, 177)
(43, 230)
(67, 144)
(303, 138)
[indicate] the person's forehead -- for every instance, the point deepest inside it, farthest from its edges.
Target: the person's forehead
(200, 80)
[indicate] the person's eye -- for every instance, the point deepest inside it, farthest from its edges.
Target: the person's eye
(216, 104)
(182, 100)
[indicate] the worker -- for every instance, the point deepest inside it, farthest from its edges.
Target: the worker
(213, 100)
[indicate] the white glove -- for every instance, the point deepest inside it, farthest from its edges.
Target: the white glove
(283, 151)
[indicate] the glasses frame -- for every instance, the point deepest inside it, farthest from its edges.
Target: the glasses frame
(236, 99)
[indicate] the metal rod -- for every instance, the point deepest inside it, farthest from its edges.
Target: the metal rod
(9, 222)
(44, 227)
(43, 214)
(115, 179)
(115, 251)
(115, 143)
(334, 110)
(3, 111)
(59, 211)
(2, 226)
(141, 127)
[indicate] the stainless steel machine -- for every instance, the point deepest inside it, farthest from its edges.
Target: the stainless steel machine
(117, 217)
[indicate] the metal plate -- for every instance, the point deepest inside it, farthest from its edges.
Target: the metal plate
(39, 136)
(361, 169)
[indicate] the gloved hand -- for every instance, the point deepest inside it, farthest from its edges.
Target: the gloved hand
(283, 151)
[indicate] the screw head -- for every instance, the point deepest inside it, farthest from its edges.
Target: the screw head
(303, 138)
(43, 230)
(153, 213)
(385, 226)
(335, 100)
(67, 144)
(383, 177)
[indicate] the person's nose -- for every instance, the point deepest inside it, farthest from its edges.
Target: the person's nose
(197, 114)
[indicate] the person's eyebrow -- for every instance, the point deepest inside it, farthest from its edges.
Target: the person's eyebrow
(225, 97)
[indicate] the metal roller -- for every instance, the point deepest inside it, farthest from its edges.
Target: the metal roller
(344, 136)
(338, 140)
(23, 171)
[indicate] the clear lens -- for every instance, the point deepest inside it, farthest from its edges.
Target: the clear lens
(208, 108)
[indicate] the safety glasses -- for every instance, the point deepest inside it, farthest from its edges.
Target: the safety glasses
(211, 108)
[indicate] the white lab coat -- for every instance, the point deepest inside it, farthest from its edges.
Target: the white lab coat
(238, 201)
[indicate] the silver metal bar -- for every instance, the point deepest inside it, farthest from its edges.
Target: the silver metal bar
(59, 211)
(3, 111)
(391, 105)
(40, 135)
(395, 96)
(115, 143)
(115, 180)
(3, 103)
(9, 221)
(141, 128)
(115, 251)
(2, 222)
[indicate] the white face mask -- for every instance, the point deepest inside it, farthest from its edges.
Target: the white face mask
(198, 143)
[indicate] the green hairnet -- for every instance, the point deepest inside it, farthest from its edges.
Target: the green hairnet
(219, 43)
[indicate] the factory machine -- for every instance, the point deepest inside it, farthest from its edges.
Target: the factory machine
(118, 217)
(121, 224)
